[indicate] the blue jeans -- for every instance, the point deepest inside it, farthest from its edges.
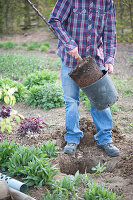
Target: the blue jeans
(102, 119)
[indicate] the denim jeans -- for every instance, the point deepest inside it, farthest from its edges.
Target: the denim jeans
(102, 119)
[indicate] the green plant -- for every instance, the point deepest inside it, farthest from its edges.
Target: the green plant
(1, 45)
(20, 91)
(7, 93)
(67, 183)
(18, 47)
(6, 151)
(53, 64)
(21, 158)
(85, 100)
(99, 192)
(12, 117)
(46, 44)
(49, 148)
(99, 168)
(46, 97)
(33, 45)
(128, 93)
(56, 195)
(18, 66)
(39, 172)
(33, 124)
(43, 48)
(29, 162)
(24, 44)
(114, 108)
(9, 122)
(9, 45)
(128, 128)
(40, 78)
(63, 189)
(125, 37)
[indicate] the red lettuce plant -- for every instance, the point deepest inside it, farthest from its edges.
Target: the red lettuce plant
(32, 125)
(5, 111)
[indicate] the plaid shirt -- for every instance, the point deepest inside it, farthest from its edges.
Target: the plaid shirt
(89, 25)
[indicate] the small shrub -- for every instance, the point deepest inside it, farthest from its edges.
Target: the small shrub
(18, 47)
(49, 148)
(36, 44)
(20, 158)
(99, 192)
(46, 97)
(40, 78)
(5, 111)
(6, 150)
(8, 117)
(34, 125)
(43, 48)
(20, 89)
(99, 168)
(9, 45)
(1, 45)
(63, 190)
(24, 44)
(46, 44)
(39, 172)
(33, 45)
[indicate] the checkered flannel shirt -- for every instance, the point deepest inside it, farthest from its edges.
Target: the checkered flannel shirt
(89, 25)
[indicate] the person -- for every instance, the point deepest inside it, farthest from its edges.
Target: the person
(85, 27)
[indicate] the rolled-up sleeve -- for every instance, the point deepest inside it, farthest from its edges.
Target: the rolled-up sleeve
(57, 20)
(109, 35)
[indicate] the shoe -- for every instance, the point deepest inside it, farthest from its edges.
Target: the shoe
(110, 149)
(70, 148)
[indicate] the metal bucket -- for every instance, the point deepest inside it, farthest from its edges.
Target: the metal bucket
(101, 93)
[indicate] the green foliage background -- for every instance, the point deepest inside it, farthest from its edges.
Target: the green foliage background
(17, 16)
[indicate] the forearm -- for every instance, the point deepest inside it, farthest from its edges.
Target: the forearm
(58, 16)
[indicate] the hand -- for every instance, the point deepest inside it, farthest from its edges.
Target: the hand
(74, 53)
(109, 68)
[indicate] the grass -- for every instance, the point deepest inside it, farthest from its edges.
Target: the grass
(8, 45)
(33, 45)
(17, 66)
(43, 48)
(129, 127)
(30, 47)
(114, 108)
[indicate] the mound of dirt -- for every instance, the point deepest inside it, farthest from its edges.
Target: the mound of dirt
(87, 155)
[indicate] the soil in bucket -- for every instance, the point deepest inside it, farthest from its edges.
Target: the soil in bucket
(86, 72)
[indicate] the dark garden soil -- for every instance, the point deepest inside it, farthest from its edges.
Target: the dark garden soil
(119, 172)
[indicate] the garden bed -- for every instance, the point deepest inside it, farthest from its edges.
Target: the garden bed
(118, 175)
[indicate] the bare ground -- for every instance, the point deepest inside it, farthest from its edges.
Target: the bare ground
(119, 173)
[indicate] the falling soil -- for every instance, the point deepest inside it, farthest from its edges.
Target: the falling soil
(86, 72)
